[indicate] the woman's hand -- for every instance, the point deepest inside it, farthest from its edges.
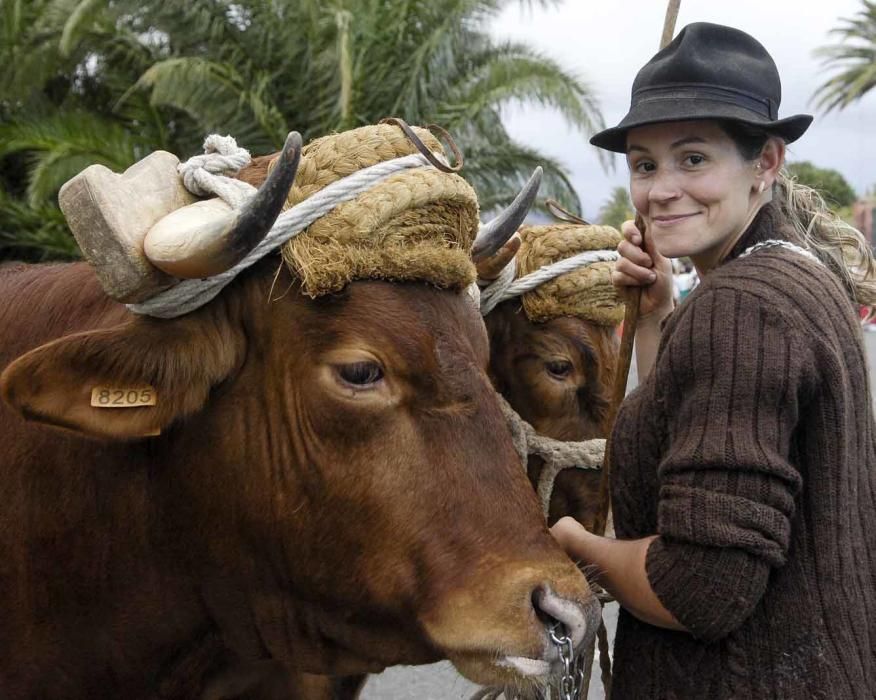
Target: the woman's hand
(619, 567)
(646, 268)
(573, 537)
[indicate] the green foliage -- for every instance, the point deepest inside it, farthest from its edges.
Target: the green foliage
(34, 233)
(107, 82)
(830, 183)
(62, 143)
(617, 208)
(853, 59)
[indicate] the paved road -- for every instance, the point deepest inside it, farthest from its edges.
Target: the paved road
(441, 682)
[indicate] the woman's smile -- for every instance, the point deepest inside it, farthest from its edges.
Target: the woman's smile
(666, 220)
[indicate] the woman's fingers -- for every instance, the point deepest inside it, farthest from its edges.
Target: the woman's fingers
(572, 536)
(634, 254)
(620, 280)
(626, 272)
(631, 232)
(640, 265)
(635, 264)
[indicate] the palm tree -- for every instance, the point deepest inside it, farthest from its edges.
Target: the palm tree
(854, 58)
(617, 208)
(110, 81)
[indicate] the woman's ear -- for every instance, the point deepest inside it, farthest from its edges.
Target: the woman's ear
(771, 160)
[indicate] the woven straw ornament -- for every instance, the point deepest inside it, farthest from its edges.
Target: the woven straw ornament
(587, 292)
(417, 225)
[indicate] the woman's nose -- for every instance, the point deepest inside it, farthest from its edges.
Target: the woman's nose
(664, 187)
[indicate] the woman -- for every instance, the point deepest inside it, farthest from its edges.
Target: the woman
(744, 477)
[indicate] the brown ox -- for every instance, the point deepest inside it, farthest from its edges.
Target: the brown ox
(557, 374)
(333, 490)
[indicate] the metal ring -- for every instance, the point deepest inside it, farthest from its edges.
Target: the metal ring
(421, 147)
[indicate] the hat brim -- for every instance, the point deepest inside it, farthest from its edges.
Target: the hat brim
(672, 110)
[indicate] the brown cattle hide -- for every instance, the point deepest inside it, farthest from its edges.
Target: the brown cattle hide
(287, 513)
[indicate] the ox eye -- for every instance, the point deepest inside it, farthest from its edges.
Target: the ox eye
(361, 374)
(559, 369)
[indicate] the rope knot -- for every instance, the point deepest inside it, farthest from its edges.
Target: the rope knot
(556, 454)
(207, 175)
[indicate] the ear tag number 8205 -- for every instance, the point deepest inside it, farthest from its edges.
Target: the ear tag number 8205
(127, 397)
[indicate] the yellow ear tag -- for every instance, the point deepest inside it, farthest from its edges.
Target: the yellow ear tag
(129, 397)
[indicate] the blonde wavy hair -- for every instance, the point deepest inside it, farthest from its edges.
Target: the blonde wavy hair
(838, 244)
(814, 225)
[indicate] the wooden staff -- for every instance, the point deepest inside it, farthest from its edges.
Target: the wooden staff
(619, 390)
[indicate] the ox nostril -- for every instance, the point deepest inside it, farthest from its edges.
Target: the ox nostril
(578, 618)
(543, 617)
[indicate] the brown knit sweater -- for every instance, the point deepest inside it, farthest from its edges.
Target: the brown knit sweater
(750, 451)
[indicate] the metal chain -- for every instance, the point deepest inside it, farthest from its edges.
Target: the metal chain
(572, 680)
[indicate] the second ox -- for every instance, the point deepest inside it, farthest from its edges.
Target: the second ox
(553, 347)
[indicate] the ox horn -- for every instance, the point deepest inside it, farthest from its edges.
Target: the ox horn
(494, 234)
(209, 237)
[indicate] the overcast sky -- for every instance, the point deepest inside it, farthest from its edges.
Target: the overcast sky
(605, 42)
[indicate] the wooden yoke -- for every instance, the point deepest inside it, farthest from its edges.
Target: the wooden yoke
(110, 214)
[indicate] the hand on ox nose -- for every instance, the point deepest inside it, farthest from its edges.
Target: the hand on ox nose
(619, 568)
(573, 537)
(640, 265)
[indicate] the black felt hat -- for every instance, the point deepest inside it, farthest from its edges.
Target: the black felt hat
(708, 71)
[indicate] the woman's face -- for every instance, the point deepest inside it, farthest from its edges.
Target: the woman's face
(692, 187)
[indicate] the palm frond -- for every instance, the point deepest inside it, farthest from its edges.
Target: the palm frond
(846, 87)
(61, 144)
(514, 72)
(498, 173)
(34, 233)
(853, 60)
(218, 96)
(78, 21)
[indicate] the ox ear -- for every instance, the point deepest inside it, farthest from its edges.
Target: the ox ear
(165, 370)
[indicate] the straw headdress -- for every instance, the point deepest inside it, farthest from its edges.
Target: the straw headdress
(415, 225)
(587, 292)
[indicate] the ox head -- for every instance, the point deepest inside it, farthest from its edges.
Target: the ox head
(335, 473)
(555, 369)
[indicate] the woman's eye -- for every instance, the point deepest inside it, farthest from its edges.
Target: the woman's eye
(360, 374)
(695, 159)
(644, 166)
(560, 369)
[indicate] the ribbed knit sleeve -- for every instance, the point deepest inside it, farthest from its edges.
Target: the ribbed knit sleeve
(731, 384)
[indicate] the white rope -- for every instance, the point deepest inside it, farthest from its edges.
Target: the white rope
(205, 175)
(773, 243)
(191, 294)
(506, 287)
(474, 294)
(492, 293)
(557, 455)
